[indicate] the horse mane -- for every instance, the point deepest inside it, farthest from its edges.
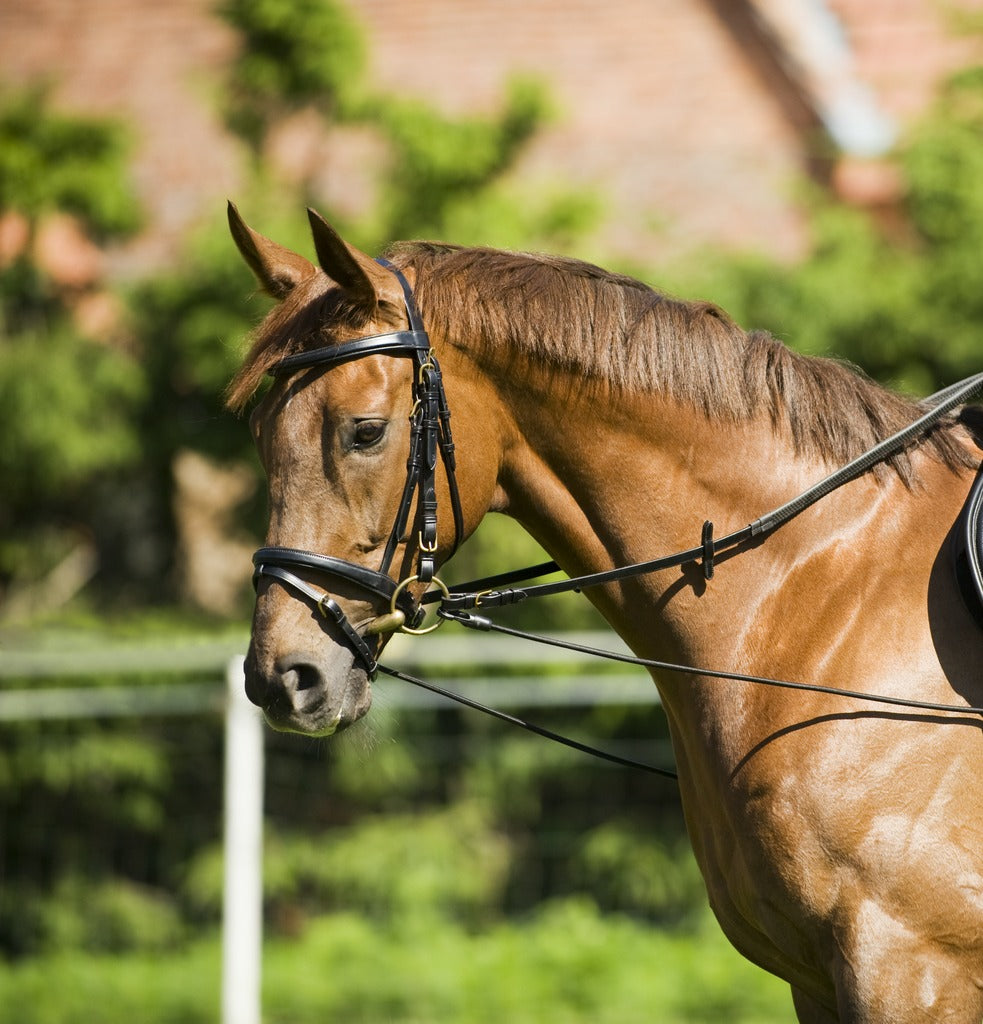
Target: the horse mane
(606, 327)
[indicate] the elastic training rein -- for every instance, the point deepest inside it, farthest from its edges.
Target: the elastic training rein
(430, 435)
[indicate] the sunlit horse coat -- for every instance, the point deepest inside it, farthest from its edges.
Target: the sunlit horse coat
(841, 842)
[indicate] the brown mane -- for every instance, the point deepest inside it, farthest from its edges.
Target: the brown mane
(608, 327)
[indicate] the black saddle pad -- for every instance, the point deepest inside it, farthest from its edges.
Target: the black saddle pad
(968, 550)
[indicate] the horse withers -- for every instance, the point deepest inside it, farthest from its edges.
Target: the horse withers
(840, 840)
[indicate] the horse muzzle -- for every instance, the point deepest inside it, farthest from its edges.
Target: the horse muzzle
(305, 693)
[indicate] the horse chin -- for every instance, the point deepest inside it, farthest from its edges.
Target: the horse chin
(304, 695)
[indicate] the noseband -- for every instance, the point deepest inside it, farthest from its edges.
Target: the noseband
(430, 433)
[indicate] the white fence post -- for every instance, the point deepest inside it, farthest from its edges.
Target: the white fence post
(242, 918)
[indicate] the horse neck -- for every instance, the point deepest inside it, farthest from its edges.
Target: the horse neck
(602, 478)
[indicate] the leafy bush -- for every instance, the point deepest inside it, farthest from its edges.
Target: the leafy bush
(67, 402)
(294, 53)
(66, 412)
(79, 988)
(626, 868)
(110, 916)
(439, 863)
(51, 161)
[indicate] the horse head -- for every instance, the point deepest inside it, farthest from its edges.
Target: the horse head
(352, 542)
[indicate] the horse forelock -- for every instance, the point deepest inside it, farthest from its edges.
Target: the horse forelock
(304, 320)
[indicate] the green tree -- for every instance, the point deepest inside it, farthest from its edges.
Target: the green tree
(67, 401)
(904, 303)
(294, 52)
(441, 172)
(51, 161)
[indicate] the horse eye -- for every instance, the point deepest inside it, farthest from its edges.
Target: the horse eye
(368, 432)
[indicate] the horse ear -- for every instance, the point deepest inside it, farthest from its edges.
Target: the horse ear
(359, 275)
(276, 268)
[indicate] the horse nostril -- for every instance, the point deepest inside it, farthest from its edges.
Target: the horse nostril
(307, 677)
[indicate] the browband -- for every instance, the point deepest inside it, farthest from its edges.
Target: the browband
(398, 343)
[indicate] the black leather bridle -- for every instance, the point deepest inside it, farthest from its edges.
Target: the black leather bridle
(430, 434)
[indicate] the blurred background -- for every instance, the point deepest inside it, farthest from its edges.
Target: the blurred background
(814, 166)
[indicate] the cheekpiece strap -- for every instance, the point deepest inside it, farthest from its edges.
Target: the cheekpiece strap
(412, 313)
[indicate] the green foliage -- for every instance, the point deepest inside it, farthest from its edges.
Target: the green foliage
(52, 162)
(448, 862)
(191, 323)
(449, 177)
(105, 765)
(566, 964)
(67, 402)
(66, 411)
(944, 161)
(110, 916)
(67, 406)
(906, 303)
(73, 988)
(624, 866)
(438, 161)
(376, 768)
(443, 175)
(89, 845)
(514, 215)
(87, 914)
(514, 776)
(293, 54)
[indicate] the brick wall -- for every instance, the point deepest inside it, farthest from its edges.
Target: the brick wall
(903, 48)
(659, 107)
(151, 62)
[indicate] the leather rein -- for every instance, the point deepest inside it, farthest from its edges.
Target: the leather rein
(430, 435)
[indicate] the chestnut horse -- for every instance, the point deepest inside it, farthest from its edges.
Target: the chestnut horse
(841, 841)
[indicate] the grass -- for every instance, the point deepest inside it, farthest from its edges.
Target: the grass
(566, 964)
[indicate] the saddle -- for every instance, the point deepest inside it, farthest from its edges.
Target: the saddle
(967, 550)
